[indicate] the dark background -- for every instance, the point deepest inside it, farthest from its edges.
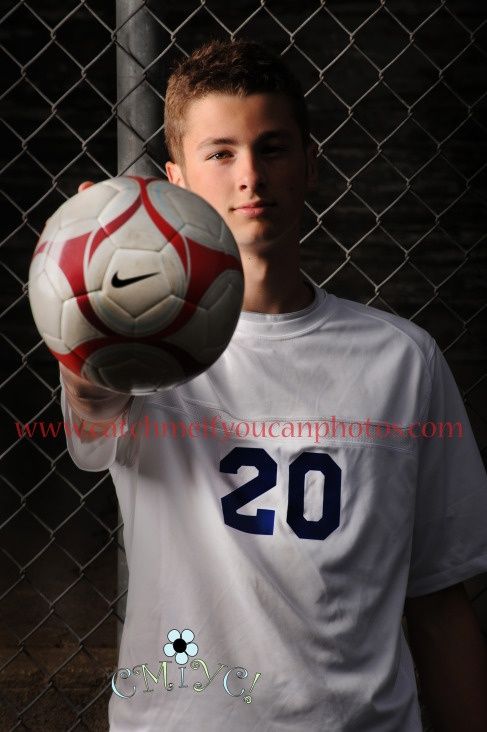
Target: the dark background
(398, 97)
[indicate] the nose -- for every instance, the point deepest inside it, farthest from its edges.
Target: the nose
(251, 172)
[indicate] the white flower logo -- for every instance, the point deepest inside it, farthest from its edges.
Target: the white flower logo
(181, 645)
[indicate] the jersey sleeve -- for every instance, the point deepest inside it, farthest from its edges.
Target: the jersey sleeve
(95, 455)
(450, 527)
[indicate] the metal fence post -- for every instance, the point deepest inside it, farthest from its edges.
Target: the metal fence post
(139, 110)
(139, 117)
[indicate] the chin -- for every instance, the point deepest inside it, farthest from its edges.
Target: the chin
(268, 237)
(248, 246)
(255, 235)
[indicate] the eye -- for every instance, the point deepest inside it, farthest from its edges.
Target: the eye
(220, 155)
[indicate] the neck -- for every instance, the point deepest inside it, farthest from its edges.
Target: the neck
(274, 283)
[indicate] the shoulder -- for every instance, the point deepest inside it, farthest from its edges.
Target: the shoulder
(376, 326)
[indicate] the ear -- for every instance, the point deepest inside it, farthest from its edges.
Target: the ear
(175, 174)
(312, 165)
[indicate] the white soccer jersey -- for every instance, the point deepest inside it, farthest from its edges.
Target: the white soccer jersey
(269, 554)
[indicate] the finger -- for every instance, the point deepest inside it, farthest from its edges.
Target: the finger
(84, 185)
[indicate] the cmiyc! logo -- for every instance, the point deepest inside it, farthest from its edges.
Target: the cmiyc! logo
(181, 647)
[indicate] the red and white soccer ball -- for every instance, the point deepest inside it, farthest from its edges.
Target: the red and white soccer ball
(136, 284)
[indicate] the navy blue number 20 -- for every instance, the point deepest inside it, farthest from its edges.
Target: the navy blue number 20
(263, 521)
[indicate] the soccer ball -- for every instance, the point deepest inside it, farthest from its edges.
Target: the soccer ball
(136, 284)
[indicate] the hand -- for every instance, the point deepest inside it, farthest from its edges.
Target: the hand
(89, 401)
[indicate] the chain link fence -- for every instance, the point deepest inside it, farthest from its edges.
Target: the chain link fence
(397, 92)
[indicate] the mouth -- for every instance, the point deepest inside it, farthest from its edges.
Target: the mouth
(254, 208)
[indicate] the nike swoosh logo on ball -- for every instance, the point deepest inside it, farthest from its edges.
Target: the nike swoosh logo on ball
(117, 282)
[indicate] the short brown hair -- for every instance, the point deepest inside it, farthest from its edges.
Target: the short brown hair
(228, 67)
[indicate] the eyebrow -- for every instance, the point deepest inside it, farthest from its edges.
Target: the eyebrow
(270, 134)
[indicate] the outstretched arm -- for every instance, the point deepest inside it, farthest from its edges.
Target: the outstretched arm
(450, 655)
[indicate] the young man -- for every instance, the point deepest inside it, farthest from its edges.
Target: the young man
(281, 554)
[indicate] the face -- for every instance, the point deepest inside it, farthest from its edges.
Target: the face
(245, 156)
